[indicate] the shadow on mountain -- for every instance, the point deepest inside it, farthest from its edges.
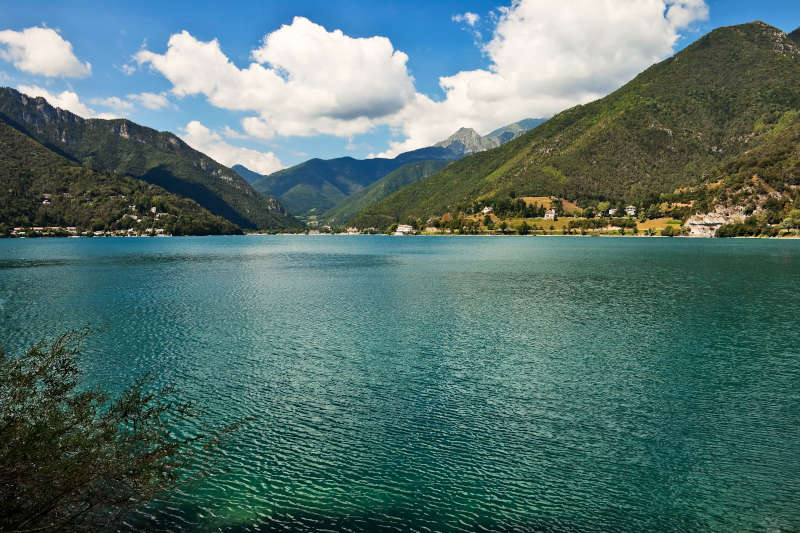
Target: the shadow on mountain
(201, 194)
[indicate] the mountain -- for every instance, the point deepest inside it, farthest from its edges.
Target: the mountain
(757, 192)
(512, 131)
(795, 36)
(467, 141)
(248, 175)
(43, 188)
(318, 185)
(393, 181)
(717, 98)
(160, 158)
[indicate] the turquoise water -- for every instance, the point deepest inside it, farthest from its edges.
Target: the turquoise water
(450, 384)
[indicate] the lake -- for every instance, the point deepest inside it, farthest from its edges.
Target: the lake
(449, 383)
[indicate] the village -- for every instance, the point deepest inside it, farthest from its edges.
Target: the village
(557, 216)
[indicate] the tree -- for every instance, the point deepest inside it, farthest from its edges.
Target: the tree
(74, 459)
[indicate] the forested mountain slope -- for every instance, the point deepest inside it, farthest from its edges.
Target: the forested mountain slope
(43, 188)
(345, 211)
(719, 97)
(160, 158)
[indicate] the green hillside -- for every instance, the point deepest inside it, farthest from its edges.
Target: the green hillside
(160, 158)
(319, 185)
(394, 181)
(42, 188)
(764, 182)
(248, 175)
(717, 98)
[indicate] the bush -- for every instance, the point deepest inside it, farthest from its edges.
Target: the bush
(75, 459)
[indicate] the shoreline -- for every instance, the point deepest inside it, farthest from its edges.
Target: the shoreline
(14, 237)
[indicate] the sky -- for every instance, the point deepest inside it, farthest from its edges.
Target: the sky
(270, 84)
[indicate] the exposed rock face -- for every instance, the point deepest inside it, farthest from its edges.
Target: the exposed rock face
(707, 224)
(467, 141)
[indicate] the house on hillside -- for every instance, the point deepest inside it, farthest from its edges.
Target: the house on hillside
(630, 210)
(550, 214)
(404, 229)
(612, 211)
(487, 210)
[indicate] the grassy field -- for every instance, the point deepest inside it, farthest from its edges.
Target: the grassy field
(539, 225)
(657, 224)
(547, 203)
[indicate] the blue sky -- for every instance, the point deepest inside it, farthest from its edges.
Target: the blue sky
(317, 93)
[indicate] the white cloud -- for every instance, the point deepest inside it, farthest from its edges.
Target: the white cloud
(113, 102)
(65, 100)
(467, 18)
(128, 69)
(304, 80)
(42, 51)
(107, 116)
(230, 133)
(682, 13)
(211, 143)
(542, 58)
(70, 101)
(153, 101)
(545, 57)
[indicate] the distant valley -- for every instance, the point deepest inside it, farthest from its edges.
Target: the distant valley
(317, 186)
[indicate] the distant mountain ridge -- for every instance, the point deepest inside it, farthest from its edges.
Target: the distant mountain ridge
(248, 175)
(318, 185)
(467, 141)
(722, 95)
(393, 181)
(160, 158)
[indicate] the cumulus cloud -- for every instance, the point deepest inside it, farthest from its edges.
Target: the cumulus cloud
(545, 57)
(467, 18)
(65, 100)
(113, 102)
(211, 143)
(153, 101)
(107, 116)
(303, 79)
(682, 13)
(42, 51)
(230, 133)
(542, 58)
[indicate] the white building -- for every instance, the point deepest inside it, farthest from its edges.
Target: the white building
(487, 210)
(404, 229)
(550, 214)
(612, 211)
(630, 210)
